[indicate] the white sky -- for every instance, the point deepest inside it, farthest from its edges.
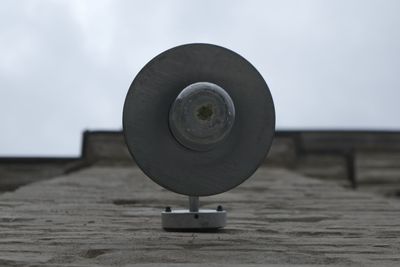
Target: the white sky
(65, 66)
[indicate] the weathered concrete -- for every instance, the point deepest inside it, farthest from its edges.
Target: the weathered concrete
(332, 155)
(362, 159)
(109, 216)
(15, 172)
(325, 167)
(105, 146)
(379, 172)
(342, 141)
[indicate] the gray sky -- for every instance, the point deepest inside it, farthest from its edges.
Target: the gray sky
(65, 66)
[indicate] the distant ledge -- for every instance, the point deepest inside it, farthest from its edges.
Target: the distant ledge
(340, 155)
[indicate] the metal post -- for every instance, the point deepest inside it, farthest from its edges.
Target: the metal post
(193, 204)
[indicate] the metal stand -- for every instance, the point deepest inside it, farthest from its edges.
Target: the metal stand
(193, 218)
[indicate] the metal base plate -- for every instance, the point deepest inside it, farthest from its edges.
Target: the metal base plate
(187, 220)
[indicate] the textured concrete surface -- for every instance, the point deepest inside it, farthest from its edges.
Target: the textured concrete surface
(109, 216)
(379, 172)
(15, 172)
(349, 157)
(363, 159)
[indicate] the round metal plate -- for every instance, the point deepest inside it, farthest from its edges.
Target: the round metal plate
(156, 150)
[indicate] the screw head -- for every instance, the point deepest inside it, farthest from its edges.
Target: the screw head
(167, 209)
(220, 208)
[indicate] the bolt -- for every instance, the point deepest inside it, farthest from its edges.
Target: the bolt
(220, 208)
(167, 209)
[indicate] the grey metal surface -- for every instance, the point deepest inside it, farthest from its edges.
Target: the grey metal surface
(194, 203)
(192, 220)
(165, 160)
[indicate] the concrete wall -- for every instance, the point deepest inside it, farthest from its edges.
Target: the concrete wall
(337, 155)
(353, 158)
(15, 172)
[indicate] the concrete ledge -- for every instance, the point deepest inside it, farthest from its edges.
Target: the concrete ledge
(110, 216)
(15, 172)
(322, 154)
(105, 147)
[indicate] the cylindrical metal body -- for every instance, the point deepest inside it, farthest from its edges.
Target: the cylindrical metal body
(194, 204)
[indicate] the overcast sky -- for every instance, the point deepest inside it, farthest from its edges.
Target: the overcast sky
(65, 66)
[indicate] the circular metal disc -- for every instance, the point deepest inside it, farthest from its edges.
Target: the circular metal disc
(156, 150)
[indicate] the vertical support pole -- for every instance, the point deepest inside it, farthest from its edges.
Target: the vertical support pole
(193, 204)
